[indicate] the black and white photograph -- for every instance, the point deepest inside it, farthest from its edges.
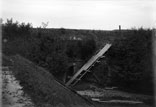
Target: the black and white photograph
(77, 53)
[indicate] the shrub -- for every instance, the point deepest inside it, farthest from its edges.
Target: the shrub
(131, 61)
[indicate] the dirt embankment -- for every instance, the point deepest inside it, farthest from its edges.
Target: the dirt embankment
(43, 88)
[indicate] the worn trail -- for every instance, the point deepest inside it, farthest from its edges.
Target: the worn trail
(12, 93)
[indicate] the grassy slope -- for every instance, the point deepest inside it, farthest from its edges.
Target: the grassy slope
(42, 86)
(46, 91)
(101, 37)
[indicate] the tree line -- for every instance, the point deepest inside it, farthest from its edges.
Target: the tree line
(129, 59)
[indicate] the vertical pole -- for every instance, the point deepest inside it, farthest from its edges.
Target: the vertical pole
(120, 30)
(65, 77)
(119, 27)
(74, 67)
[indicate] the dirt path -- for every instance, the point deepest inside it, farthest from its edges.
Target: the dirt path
(115, 98)
(12, 93)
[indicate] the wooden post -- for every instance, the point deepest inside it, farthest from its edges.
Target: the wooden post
(96, 77)
(74, 67)
(119, 27)
(65, 77)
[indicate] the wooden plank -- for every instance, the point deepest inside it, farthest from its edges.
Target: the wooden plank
(89, 63)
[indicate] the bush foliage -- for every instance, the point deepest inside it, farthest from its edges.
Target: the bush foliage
(129, 59)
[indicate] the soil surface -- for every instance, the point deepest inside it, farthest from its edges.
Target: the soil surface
(112, 97)
(12, 93)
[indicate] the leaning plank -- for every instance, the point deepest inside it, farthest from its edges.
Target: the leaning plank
(91, 61)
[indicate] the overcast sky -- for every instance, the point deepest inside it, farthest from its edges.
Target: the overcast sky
(83, 14)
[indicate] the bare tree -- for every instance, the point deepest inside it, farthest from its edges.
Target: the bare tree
(44, 25)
